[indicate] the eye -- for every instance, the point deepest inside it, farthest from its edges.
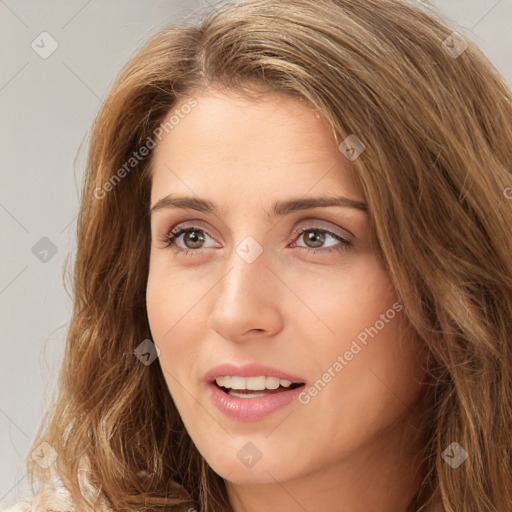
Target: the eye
(194, 238)
(316, 237)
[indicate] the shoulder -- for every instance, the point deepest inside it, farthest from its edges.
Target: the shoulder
(50, 501)
(57, 498)
(20, 506)
(60, 500)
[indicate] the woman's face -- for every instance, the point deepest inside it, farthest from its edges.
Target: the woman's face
(272, 278)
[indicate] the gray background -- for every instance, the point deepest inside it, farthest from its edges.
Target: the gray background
(47, 106)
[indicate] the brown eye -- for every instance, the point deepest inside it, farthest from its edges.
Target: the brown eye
(314, 238)
(193, 239)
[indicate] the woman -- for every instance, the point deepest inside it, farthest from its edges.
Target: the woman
(293, 284)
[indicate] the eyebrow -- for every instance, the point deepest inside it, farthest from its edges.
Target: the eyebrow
(279, 208)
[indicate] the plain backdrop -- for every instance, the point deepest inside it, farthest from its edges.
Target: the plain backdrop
(59, 58)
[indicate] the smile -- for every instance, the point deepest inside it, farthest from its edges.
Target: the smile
(252, 387)
(242, 404)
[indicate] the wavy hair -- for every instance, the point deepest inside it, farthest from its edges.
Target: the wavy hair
(436, 174)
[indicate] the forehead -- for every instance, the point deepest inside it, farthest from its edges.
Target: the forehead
(239, 145)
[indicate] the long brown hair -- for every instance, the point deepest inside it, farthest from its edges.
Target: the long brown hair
(436, 173)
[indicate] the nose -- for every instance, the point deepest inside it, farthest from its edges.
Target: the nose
(246, 302)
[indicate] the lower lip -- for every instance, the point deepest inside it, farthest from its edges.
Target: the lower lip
(251, 409)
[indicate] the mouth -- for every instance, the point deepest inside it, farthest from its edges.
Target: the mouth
(251, 391)
(254, 387)
(241, 404)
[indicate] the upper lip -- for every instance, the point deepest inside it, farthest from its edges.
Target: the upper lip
(249, 370)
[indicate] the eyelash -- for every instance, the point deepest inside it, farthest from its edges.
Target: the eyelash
(169, 238)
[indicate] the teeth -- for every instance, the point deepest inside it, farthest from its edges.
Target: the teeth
(241, 395)
(252, 383)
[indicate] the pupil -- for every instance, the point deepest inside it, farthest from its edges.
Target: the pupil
(193, 235)
(313, 237)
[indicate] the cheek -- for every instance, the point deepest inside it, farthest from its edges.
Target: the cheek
(341, 305)
(174, 324)
(375, 382)
(173, 313)
(158, 301)
(171, 295)
(368, 371)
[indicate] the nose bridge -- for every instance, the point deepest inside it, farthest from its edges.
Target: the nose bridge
(245, 299)
(247, 270)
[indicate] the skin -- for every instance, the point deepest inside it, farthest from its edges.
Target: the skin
(355, 445)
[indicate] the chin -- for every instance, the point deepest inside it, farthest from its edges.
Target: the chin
(257, 475)
(243, 463)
